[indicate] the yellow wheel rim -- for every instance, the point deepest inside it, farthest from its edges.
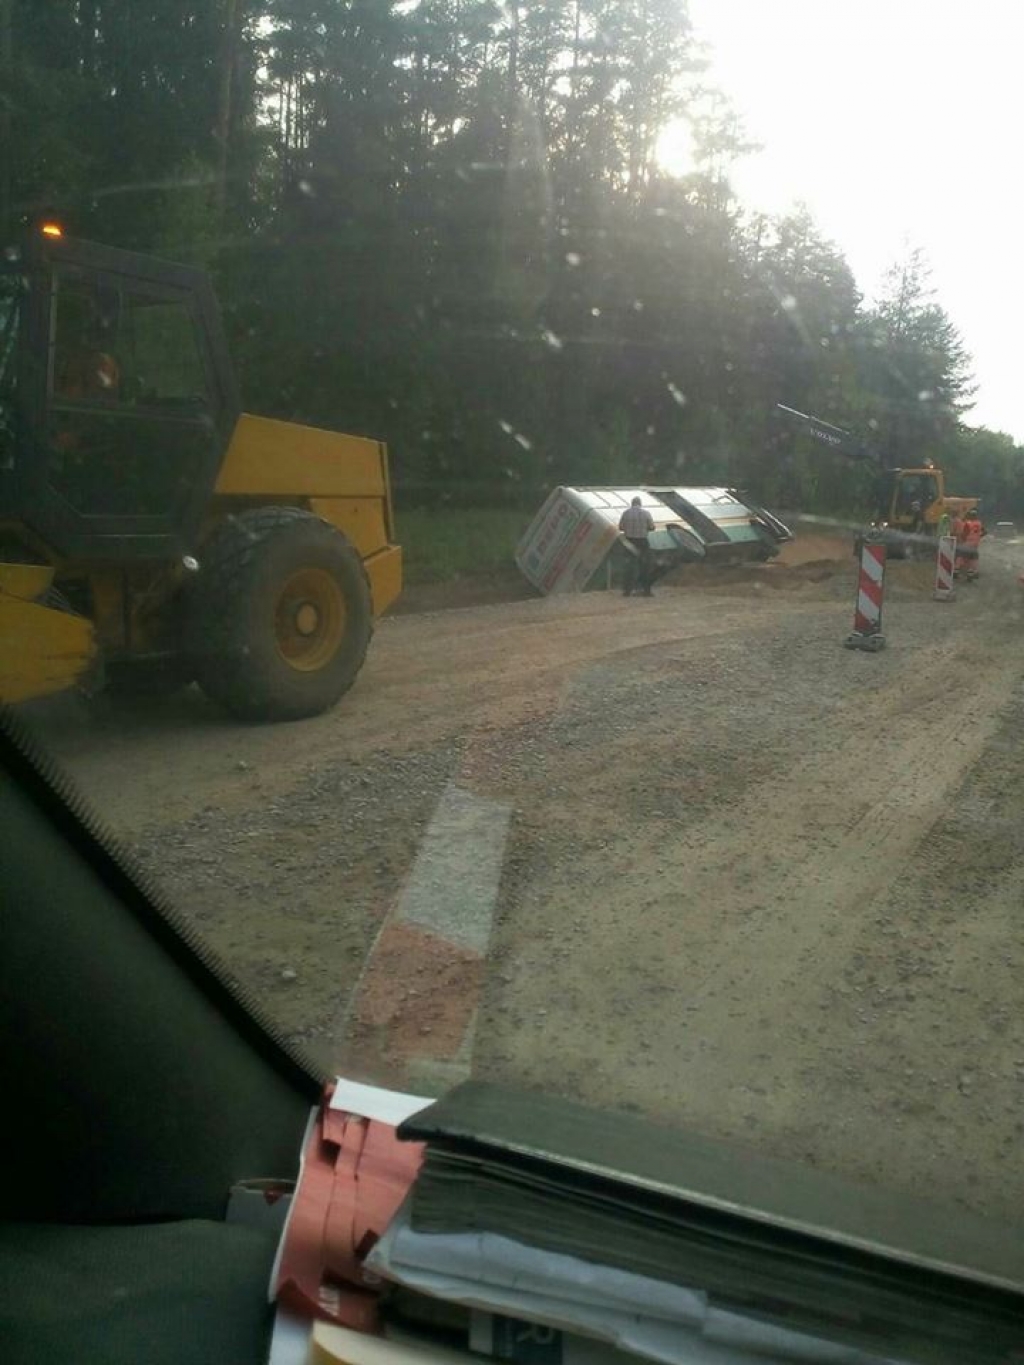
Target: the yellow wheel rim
(309, 620)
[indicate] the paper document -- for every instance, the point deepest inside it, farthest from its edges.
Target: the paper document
(332, 1345)
(373, 1102)
(646, 1317)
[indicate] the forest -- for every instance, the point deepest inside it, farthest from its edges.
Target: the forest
(443, 223)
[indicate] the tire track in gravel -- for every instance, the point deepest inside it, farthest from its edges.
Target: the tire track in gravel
(687, 969)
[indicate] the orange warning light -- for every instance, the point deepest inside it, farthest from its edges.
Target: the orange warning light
(52, 230)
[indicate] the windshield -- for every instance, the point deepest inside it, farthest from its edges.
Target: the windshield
(571, 663)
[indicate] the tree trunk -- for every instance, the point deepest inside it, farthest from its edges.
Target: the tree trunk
(572, 113)
(513, 69)
(222, 133)
(6, 118)
(87, 20)
(638, 123)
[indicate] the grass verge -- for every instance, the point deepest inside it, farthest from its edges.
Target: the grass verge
(443, 544)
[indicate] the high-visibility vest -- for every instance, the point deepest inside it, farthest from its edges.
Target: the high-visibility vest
(973, 531)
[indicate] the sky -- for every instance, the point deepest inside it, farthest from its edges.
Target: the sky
(899, 123)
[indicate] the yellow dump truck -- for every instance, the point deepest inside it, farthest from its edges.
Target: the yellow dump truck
(151, 533)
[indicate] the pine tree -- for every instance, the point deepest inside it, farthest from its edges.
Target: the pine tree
(917, 372)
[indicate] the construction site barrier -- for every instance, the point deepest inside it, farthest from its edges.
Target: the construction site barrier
(945, 562)
(867, 615)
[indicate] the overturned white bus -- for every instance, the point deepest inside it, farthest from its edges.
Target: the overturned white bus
(575, 535)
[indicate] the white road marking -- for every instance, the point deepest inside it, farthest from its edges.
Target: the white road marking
(453, 885)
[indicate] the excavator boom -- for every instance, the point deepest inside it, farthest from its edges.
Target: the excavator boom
(846, 442)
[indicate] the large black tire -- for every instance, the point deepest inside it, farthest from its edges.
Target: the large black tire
(279, 616)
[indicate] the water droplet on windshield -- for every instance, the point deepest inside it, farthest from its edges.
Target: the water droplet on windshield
(677, 394)
(555, 342)
(517, 436)
(788, 302)
(573, 258)
(595, 312)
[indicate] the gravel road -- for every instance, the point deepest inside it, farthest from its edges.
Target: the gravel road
(750, 880)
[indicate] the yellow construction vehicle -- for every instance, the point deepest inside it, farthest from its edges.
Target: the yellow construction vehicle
(911, 505)
(151, 533)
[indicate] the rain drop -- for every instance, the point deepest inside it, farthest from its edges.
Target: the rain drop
(788, 302)
(925, 396)
(555, 342)
(677, 394)
(595, 312)
(305, 187)
(517, 436)
(573, 258)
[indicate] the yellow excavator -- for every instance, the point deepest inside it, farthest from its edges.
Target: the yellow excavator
(151, 533)
(911, 506)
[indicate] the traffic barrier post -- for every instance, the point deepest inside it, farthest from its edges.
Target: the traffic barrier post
(945, 562)
(867, 615)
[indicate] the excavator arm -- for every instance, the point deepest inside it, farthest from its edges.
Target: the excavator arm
(855, 448)
(909, 503)
(838, 438)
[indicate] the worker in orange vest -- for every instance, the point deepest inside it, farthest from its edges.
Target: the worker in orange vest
(956, 530)
(973, 530)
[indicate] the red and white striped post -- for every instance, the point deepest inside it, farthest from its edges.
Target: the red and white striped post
(867, 615)
(945, 562)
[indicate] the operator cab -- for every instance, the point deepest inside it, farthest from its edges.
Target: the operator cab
(116, 399)
(907, 494)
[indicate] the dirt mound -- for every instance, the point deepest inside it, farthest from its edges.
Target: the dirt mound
(817, 547)
(777, 575)
(817, 570)
(914, 576)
